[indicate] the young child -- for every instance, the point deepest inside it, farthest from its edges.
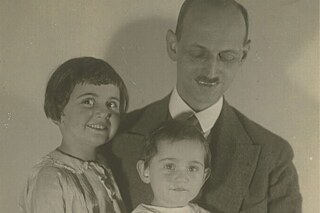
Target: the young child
(175, 162)
(85, 98)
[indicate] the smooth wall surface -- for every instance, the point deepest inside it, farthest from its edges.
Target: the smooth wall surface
(277, 87)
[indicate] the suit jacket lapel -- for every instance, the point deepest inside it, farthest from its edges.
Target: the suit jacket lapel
(235, 158)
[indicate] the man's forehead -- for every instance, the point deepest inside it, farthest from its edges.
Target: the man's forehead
(211, 10)
(213, 3)
(219, 19)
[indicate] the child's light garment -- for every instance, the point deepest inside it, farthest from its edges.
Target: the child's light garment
(190, 208)
(63, 184)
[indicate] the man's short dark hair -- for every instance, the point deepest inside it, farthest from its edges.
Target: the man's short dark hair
(187, 5)
(82, 70)
(173, 131)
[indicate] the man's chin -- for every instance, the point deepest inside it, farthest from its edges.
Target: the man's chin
(201, 103)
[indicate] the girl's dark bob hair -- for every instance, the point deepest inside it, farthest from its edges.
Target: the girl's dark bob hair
(82, 70)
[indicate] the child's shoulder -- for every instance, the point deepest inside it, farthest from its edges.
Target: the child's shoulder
(49, 168)
(197, 209)
(45, 169)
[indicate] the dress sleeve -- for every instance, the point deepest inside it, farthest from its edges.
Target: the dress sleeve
(43, 192)
(284, 195)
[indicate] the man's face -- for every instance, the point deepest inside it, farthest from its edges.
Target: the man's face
(208, 54)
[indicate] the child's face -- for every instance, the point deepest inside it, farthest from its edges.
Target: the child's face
(177, 172)
(91, 117)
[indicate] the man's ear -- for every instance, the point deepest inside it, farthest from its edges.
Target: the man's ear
(207, 173)
(171, 39)
(144, 173)
(246, 48)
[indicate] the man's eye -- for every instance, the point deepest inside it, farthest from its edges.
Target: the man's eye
(198, 54)
(193, 168)
(169, 166)
(112, 105)
(88, 102)
(228, 56)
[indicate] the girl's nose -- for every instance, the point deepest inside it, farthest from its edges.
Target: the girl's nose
(104, 113)
(182, 176)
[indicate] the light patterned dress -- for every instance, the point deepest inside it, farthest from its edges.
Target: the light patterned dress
(190, 208)
(61, 183)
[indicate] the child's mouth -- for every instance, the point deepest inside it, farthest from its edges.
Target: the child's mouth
(179, 189)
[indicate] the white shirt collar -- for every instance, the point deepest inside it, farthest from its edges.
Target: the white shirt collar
(207, 118)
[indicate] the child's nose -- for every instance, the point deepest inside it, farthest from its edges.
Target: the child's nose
(182, 176)
(104, 112)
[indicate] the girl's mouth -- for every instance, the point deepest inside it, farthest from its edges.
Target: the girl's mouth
(97, 126)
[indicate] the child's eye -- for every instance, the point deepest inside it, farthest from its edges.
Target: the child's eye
(193, 168)
(88, 102)
(169, 166)
(112, 105)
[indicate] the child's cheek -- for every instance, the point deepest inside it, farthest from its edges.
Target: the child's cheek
(115, 120)
(169, 176)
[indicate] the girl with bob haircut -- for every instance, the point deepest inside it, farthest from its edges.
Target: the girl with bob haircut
(85, 98)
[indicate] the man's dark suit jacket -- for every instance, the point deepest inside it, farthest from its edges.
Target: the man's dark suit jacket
(252, 169)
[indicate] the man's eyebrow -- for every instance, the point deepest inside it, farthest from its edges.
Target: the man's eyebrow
(195, 45)
(230, 50)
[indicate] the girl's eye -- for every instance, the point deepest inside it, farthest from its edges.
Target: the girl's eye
(112, 105)
(88, 102)
(193, 168)
(169, 166)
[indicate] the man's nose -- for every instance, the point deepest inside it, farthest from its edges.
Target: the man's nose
(212, 67)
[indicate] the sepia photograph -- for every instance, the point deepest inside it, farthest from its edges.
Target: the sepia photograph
(205, 106)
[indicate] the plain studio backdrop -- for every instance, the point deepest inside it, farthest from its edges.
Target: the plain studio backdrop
(277, 87)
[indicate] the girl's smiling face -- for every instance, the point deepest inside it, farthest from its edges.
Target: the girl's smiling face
(91, 117)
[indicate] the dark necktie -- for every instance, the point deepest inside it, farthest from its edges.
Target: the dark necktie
(191, 119)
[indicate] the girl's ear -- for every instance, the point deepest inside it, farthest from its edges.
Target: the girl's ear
(171, 45)
(144, 173)
(206, 175)
(61, 119)
(56, 122)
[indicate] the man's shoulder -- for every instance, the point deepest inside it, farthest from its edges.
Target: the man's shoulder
(132, 118)
(259, 134)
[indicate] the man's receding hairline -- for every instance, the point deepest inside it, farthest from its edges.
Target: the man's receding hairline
(187, 5)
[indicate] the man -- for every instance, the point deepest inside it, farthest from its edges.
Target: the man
(252, 169)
